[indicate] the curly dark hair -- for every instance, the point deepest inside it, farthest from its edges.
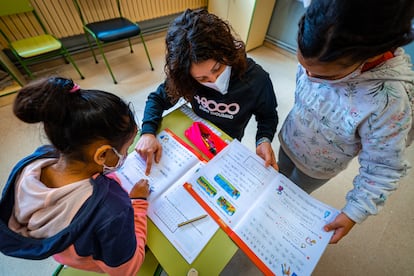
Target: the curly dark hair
(196, 36)
(354, 29)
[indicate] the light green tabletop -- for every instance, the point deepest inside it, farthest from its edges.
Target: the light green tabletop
(219, 250)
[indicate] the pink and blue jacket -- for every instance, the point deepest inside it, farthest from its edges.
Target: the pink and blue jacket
(106, 234)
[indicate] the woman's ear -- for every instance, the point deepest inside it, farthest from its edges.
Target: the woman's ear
(100, 154)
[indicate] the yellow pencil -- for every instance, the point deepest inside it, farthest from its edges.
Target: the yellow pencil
(192, 220)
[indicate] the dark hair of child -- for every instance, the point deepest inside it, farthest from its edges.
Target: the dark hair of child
(73, 117)
(334, 29)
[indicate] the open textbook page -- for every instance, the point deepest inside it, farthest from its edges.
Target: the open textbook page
(170, 204)
(279, 226)
(176, 160)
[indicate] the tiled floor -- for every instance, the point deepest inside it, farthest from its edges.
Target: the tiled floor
(382, 245)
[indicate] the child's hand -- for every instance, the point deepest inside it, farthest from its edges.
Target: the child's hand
(341, 225)
(140, 189)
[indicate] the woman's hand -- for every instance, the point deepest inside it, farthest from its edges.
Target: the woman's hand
(150, 149)
(341, 225)
(265, 151)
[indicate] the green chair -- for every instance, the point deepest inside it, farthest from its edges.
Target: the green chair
(108, 30)
(34, 48)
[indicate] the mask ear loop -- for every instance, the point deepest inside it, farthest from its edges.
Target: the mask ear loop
(121, 159)
(120, 156)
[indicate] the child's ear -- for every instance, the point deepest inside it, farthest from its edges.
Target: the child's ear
(100, 154)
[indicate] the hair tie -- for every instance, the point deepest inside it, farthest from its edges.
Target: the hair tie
(75, 88)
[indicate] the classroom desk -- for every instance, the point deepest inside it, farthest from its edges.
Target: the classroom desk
(218, 251)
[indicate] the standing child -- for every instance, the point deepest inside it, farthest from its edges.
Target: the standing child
(354, 97)
(60, 201)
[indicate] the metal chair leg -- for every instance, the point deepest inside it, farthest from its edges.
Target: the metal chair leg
(91, 47)
(130, 45)
(58, 270)
(158, 270)
(106, 61)
(146, 51)
(69, 58)
(26, 69)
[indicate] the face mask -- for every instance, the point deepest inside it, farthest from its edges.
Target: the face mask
(121, 160)
(222, 82)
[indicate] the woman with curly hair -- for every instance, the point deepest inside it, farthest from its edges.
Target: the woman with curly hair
(207, 66)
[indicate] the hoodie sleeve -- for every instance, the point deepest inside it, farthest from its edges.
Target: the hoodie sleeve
(383, 138)
(157, 102)
(265, 111)
(132, 266)
(266, 117)
(117, 242)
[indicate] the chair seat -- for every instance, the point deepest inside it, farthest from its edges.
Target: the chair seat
(114, 29)
(109, 30)
(37, 45)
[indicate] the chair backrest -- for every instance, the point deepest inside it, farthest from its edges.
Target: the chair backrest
(97, 10)
(14, 12)
(10, 7)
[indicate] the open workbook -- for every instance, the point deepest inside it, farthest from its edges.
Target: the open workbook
(170, 204)
(278, 225)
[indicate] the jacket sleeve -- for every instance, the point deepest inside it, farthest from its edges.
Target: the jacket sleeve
(132, 266)
(125, 251)
(381, 159)
(157, 102)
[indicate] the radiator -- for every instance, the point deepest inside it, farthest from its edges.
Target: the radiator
(62, 20)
